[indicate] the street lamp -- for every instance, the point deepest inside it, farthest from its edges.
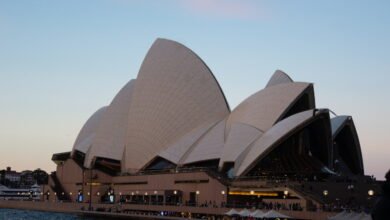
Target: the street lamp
(223, 198)
(325, 192)
(155, 197)
(90, 190)
(197, 195)
(350, 188)
(252, 192)
(370, 192)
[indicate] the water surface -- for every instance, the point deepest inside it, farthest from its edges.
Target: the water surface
(18, 214)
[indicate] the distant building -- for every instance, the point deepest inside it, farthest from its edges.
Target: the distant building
(24, 179)
(9, 177)
(12, 176)
(27, 179)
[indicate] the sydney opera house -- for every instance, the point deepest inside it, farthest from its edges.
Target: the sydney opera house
(169, 136)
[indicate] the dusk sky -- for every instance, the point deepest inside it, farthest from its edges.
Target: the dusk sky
(62, 60)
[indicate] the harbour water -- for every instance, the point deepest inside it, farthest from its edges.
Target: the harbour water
(18, 214)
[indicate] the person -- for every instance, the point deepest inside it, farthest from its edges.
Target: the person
(381, 210)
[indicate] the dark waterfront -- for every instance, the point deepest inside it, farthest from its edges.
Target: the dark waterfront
(18, 214)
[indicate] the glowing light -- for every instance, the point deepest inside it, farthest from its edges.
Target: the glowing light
(240, 193)
(94, 184)
(223, 192)
(325, 192)
(370, 192)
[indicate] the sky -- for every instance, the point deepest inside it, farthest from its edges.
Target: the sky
(62, 60)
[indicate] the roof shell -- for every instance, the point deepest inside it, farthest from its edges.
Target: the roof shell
(110, 137)
(87, 132)
(210, 146)
(239, 138)
(342, 122)
(279, 77)
(338, 123)
(264, 108)
(267, 140)
(176, 152)
(175, 92)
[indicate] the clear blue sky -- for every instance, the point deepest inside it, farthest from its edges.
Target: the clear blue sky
(62, 60)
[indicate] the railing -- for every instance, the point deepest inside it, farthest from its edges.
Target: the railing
(211, 172)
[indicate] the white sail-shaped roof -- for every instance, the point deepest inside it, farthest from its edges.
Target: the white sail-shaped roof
(264, 108)
(175, 93)
(111, 133)
(279, 77)
(176, 151)
(239, 138)
(268, 139)
(338, 125)
(208, 147)
(87, 132)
